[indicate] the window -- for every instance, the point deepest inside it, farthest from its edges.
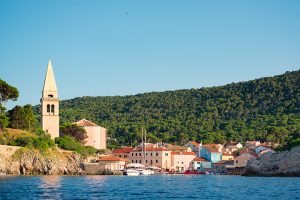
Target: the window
(140, 161)
(146, 154)
(166, 154)
(236, 161)
(136, 161)
(48, 108)
(140, 154)
(125, 156)
(120, 156)
(181, 162)
(50, 96)
(132, 154)
(156, 161)
(132, 161)
(52, 108)
(156, 154)
(135, 154)
(150, 154)
(146, 161)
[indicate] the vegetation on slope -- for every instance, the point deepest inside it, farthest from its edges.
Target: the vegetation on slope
(262, 109)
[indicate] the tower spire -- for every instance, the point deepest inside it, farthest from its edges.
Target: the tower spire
(49, 84)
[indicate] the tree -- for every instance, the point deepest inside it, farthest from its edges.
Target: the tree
(17, 118)
(74, 131)
(30, 119)
(7, 92)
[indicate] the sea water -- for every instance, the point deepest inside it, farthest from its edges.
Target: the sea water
(149, 187)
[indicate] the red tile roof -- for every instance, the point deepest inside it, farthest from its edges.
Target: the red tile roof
(85, 122)
(211, 148)
(227, 154)
(177, 148)
(198, 159)
(183, 153)
(108, 158)
(196, 144)
(123, 150)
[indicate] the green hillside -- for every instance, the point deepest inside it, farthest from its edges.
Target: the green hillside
(262, 109)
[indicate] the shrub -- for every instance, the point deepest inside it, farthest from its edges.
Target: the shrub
(69, 143)
(42, 142)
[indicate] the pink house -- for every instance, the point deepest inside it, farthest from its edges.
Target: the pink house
(181, 161)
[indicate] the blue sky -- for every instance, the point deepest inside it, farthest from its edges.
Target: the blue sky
(107, 47)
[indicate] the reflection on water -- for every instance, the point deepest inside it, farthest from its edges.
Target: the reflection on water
(50, 187)
(50, 182)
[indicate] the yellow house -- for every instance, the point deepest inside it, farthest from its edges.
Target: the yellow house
(227, 156)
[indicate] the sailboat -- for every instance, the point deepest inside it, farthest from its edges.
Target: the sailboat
(144, 147)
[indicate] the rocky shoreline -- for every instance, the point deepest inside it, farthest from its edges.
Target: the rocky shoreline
(22, 161)
(286, 163)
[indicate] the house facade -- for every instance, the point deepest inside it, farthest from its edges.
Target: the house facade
(210, 153)
(200, 164)
(243, 158)
(111, 163)
(122, 152)
(96, 135)
(181, 160)
(159, 157)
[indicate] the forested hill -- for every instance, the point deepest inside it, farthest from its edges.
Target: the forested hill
(263, 109)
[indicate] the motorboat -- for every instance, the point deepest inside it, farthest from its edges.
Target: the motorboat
(145, 172)
(132, 172)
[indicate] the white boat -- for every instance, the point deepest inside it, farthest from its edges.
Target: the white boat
(132, 172)
(146, 172)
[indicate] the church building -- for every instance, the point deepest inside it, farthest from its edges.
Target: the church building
(50, 104)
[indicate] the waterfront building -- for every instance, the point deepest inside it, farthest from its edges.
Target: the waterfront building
(50, 104)
(111, 163)
(242, 159)
(159, 157)
(223, 165)
(96, 134)
(200, 164)
(122, 152)
(181, 160)
(211, 152)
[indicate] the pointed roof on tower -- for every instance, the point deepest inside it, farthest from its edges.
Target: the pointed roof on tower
(49, 84)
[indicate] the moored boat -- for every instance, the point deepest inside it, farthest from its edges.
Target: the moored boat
(132, 172)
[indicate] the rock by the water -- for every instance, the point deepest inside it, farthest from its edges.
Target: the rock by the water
(286, 163)
(32, 162)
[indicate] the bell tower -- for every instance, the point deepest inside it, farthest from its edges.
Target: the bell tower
(50, 104)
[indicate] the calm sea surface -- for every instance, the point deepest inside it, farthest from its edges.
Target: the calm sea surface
(148, 187)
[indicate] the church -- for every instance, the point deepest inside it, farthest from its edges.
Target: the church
(50, 114)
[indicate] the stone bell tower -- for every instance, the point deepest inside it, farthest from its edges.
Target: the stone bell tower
(50, 104)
